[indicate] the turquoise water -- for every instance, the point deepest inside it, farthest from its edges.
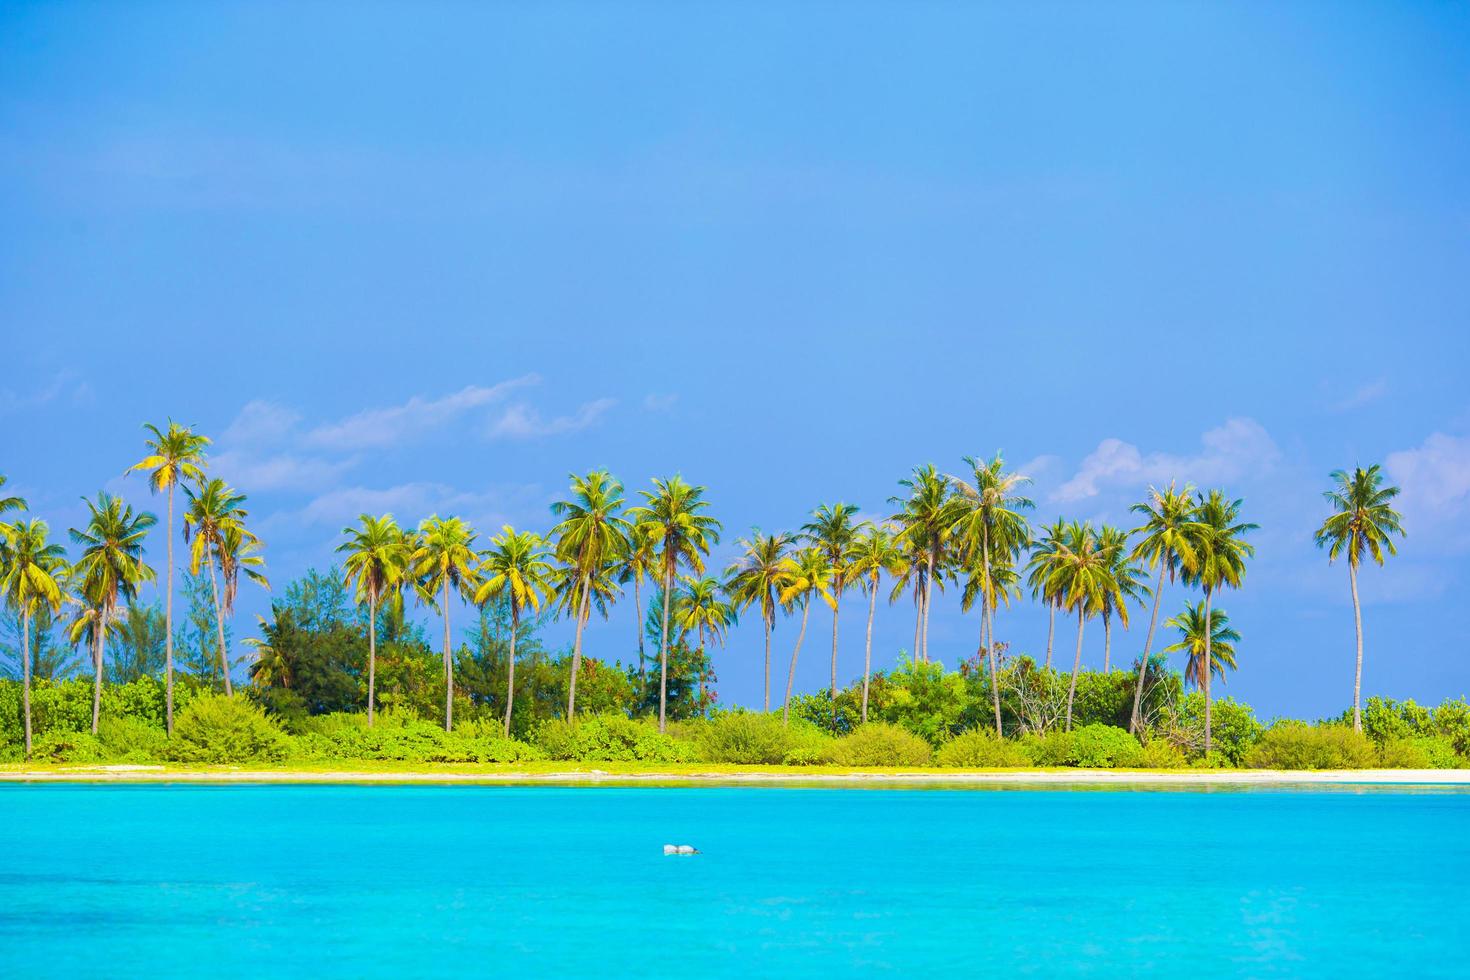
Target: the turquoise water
(395, 881)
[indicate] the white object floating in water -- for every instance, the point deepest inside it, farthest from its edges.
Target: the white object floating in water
(680, 849)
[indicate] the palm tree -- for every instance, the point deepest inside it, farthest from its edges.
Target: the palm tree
(32, 578)
(214, 529)
(637, 564)
(681, 536)
(591, 536)
(1122, 586)
(700, 607)
(515, 568)
(111, 569)
(909, 576)
(173, 456)
(810, 575)
(928, 514)
(990, 520)
(1216, 536)
(1079, 579)
(444, 561)
(760, 575)
(377, 559)
(832, 532)
(874, 552)
(1361, 521)
(1042, 567)
(1215, 645)
(1165, 545)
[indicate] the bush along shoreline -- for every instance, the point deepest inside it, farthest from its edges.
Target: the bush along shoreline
(920, 716)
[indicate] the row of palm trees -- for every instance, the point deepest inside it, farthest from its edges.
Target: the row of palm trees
(970, 531)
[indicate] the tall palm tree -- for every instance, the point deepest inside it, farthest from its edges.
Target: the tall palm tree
(1165, 545)
(1362, 522)
(759, 576)
(990, 522)
(1215, 645)
(873, 553)
(810, 575)
(32, 578)
(515, 568)
(444, 562)
(702, 607)
(681, 536)
(110, 570)
(910, 576)
(214, 530)
(377, 559)
(175, 455)
(1079, 579)
(1041, 575)
(927, 513)
(1217, 536)
(637, 564)
(833, 532)
(591, 535)
(1122, 586)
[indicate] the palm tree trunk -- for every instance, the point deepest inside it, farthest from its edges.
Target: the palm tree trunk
(219, 621)
(372, 656)
(577, 648)
(663, 650)
(97, 642)
(766, 619)
(988, 626)
(837, 602)
(638, 621)
(1107, 644)
(1358, 672)
(448, 666)
(168, 622)
(1051, 628)
(795, 652)
(1135, 720)
(928, 596)
(701, 670)
(1209, 665)
(1076, 668)
(868, 650)
(918, 616)
(25, 674)
(510, 673)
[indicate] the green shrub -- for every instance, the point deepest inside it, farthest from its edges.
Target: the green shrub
(756, 738)
(130, 739)
(1105, 747)
(64, 746)
(1055, 748)
(1159, 753)
(216, 729)
(610, 738)
(1296, 745)
(880, 744)
(1422, 752)
(1233, 727)
(981, 750)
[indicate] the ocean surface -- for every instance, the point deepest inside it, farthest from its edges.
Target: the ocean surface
(561, 881)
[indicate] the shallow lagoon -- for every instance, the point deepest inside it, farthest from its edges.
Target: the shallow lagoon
(395, 880)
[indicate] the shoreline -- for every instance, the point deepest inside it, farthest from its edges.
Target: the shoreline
(593, 776)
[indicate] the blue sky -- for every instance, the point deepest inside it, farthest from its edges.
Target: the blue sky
(435, 257)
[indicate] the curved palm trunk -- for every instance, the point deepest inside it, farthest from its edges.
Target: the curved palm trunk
(1209, 667)
(448, 666)
(168, 622)
(836, 605)
(97, 641)
(987, 618)
(372, 656)
(219, 622)
(928, 597)
(1358, 672)
(25, 675)
(868, 650)
(1135, 720)
(918, 617)
(701, 670)
(510, 673)
(1076, 668)
(663, 651)
(806, 607)
(767, 617)
(1051, 629)
(577, 648)
(638, 622)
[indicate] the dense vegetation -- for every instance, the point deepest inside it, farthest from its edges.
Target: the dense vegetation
(340, 671)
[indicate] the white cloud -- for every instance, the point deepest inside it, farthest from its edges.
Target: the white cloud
(1435, 480)
(1364, 395)
(283, 471)
(412, 502)
(260, 422)
(1229, 451)
(654, 402)
(379, 427)
(521, 421)
(65, 385)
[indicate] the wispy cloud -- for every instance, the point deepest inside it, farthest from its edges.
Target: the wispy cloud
(278, 471)
(655, 402)
(64, 386)
(521, 421)
(1364, 395)
(411, 502)
(1228, 451)
(379, 427)
(1435, 480)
